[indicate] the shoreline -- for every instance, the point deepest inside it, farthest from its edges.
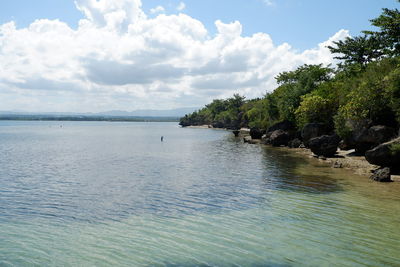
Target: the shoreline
(345, 159)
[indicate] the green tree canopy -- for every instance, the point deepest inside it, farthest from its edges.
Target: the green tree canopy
(389, 34)
(358, 50)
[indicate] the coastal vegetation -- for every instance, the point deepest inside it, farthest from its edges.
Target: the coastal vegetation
(358, 100)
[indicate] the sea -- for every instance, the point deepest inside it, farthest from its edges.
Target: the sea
(114, 194)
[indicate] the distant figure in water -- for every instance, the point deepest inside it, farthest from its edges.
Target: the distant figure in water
(162, 138)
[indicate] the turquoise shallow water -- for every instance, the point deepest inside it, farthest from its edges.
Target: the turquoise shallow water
(111, 194)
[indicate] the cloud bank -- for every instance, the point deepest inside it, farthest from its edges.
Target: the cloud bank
(118, 58)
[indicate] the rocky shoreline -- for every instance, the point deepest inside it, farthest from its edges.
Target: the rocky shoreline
(326, 149)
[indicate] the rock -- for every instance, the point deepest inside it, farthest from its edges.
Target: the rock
(322, 157)
(346, 145)
(386, 154)
(325, 145)
(279, 138)
(337, 165)
(367, 138)
(381, 175)
(244, 131)
(266, 140)
(247, 139)
(295, 143)
(217, 125)
(312, 130)
(284, 126)
(236, 132)
(256, 133)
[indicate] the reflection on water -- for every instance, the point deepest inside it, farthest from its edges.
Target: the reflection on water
(295, 173)
(112, 194)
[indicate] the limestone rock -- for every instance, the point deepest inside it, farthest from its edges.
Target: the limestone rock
(325, 145)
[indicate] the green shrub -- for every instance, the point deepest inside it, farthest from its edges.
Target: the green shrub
(313, 108)
(395, 149)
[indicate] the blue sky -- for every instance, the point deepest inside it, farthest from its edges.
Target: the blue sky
(301, 23)
(99, 55)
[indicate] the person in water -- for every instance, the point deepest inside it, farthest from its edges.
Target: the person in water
(162, 138)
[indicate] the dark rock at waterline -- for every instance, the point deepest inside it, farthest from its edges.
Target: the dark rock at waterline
(312, 130)
(236, 132)
(386, 154)
(279, 138)
(256, 133)
(184, 124)
(295, 143)
(381, 175)
(325, 145)
(284, 126)
(249, 140)
(367, 138)
(346, 144)
(265, 141)
(218, 124)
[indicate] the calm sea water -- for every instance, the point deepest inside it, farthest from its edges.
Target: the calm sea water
(113, 194)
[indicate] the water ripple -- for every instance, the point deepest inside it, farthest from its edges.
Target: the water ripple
(104, 195)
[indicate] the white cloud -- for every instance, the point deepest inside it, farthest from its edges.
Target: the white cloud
(269, 2)
(181, 6)
(118, 58)
(157, 9)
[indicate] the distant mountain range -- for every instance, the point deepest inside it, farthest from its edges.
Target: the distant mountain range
(180, 112)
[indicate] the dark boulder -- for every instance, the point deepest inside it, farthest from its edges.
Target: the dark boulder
(265, 140)
(279, 138)
(325, 145)
(367, 138)
(347, 144)
(381, 175)
(312, 130)
(249, 140)
(386, 154)
(295, 143)
(284, 126)
(218, 124)
(256, 133)
(236, 132)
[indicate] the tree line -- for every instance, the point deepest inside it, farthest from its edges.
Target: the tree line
(364, 88)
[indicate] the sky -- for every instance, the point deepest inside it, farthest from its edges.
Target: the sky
(100, 55)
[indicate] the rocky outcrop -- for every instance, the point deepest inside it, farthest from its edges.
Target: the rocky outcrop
(184, 124)
(325, 145)
(295, 143)
(284, 126)
(367, 138)
(312, 130)
(347, 144)
(386, 154)
(218, 124)
(256, 133)
(381, 175)
(279, 138)
(249, 140)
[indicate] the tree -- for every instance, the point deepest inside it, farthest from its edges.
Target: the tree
(294, 84)
(314, 108)
(389, 34)
(358, 50)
